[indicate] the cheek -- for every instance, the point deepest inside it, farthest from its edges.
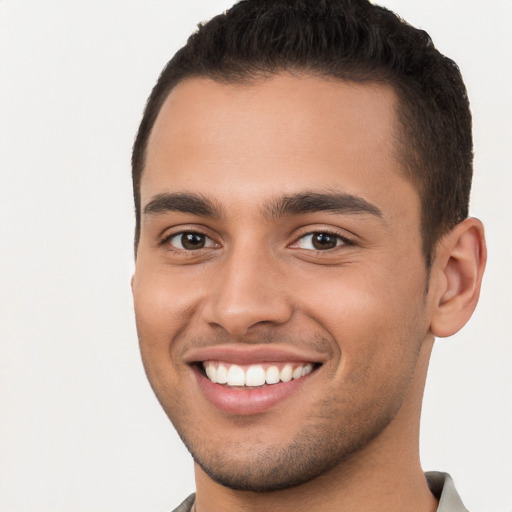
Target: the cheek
(156, 328)
(376, 314)
(161, 302)
(157, 310)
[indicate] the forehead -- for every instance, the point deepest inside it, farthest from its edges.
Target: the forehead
(283, 133)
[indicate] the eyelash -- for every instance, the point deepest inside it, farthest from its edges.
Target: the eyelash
(340, 240)
(167, 240)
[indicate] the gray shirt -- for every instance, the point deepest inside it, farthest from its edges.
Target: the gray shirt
(441, 485)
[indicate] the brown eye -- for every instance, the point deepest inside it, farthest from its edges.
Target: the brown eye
(190, 241)
(319, 241)
(322, 241)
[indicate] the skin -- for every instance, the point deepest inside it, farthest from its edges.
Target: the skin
(367, 309)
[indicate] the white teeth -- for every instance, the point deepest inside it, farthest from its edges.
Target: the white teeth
(222, 374)
(236, 376)
(297, 373)
(211, 372)
(286, 373)
(308, 368)
(272, 376)
(254, 375)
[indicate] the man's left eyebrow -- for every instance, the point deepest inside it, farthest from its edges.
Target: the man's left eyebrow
(311, 201)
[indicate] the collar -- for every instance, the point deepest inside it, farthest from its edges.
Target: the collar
(442, 487)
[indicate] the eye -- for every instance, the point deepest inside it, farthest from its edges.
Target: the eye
(190, 241)
(320, 241)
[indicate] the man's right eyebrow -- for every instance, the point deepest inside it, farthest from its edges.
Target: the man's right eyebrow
(184, 202)
(321, 201)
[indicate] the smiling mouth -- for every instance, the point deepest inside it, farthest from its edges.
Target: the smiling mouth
(254, 375)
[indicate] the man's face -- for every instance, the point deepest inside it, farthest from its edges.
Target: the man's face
(279, 240)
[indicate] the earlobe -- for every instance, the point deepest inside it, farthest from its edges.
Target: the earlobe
(458, 268)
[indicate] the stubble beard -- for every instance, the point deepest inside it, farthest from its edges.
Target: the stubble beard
(316, 450)
(330, 437)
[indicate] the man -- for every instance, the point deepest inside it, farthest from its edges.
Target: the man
(301, 181)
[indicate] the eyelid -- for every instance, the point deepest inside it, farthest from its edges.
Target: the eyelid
(165, 239)
(346, 240)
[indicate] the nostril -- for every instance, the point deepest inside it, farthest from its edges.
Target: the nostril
(238, 317)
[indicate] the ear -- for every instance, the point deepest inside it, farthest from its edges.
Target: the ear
(456, 277)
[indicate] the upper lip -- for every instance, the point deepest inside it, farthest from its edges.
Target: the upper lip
(252, 354)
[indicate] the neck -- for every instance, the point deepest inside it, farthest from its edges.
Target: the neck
(385, 475)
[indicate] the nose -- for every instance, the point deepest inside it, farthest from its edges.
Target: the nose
(248, 290)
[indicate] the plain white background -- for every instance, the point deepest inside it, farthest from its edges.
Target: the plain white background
(80, 429)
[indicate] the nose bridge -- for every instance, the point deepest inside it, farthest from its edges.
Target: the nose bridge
(248, 291)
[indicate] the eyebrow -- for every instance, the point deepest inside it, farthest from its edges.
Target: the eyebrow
(293, 204)
(184, 202)
(328, 201)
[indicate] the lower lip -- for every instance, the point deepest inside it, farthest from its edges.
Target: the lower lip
(248, 401)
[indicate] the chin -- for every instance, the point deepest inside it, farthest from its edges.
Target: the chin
(315, 451)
